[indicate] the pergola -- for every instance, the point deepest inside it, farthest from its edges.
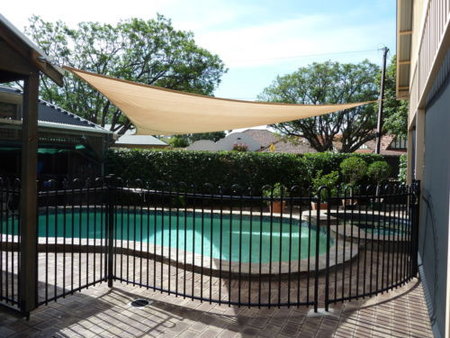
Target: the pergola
(21, 60)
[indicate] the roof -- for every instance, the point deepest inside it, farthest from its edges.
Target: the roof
(50, 115)
(203, 145)
(139, 140)
(298, 147)
(229, 141)
(263, 136)
(27, 51)
(386, 141)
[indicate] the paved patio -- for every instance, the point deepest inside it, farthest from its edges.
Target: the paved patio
(103, 312)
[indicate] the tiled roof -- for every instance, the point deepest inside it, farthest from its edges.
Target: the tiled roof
(386, 141)
(51, 113)
(299, 147)
(264, 137)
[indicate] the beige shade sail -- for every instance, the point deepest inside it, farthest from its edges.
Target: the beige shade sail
(159, 111)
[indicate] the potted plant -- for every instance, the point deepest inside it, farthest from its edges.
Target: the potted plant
(330, 181)
(277, 204)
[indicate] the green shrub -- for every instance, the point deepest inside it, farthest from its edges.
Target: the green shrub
(353, 169)
(403, 168)
(330, 180)
(379, 171)
(225, 168)
(276, 191)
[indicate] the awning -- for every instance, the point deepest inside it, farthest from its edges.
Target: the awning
(159, 111)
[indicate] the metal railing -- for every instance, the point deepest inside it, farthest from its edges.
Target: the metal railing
(229, 246)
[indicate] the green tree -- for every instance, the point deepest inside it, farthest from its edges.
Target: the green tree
(179, 141)
(214, 136)
(395, 111)
(150, 52)
(329, 82)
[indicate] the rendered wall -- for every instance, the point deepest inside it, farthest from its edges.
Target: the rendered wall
(434, 225)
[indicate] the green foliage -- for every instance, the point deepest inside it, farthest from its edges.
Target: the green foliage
(330, 180)
(276, 191)
(379, 171)
(403, 168)
(329, 82)
(179, 141)
(225, 168)
(353, 169)
(214, 136)
(395, 111)
(145, 51)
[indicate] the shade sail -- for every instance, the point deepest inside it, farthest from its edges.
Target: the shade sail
(159, 111)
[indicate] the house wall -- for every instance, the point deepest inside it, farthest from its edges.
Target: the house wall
(429, 152)
(434, 223)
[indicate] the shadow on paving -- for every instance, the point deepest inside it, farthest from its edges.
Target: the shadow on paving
(108, 313)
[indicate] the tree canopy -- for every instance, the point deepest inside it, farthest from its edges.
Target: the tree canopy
(150, 52)
(395, 111)
(330, 82)
(182, 141)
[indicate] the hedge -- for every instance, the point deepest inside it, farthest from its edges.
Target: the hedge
(225, 168)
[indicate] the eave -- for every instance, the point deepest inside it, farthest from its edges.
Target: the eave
(404, 38)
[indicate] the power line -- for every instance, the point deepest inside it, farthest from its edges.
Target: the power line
(313, 55)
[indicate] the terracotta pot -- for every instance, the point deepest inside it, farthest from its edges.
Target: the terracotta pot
(317, 206)
(277, 206)
(345, 202)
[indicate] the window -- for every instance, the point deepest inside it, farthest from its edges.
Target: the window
(8, 110)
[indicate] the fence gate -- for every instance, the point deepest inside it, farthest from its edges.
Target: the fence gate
(229, 246)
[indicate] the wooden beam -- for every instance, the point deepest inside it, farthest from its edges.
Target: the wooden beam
(13, 62)
(32, 56)
(407, 32)
(28, 196)
(47, 68)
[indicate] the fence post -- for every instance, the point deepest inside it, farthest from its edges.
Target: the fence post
(316, 267)
(28, 271)
(110, 200)
(327, 267)
(415, 226)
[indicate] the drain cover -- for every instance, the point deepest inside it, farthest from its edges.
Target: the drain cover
(140, 302)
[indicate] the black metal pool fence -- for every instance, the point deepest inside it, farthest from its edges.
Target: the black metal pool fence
(229, 246)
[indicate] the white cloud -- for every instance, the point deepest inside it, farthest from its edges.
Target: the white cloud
(268, 44)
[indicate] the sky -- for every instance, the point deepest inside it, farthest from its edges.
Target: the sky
(257, 39)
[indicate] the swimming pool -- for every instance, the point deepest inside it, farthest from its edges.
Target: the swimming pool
(377, 225)
(229, 237)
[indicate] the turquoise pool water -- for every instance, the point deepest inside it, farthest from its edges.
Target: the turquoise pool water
(230, 238)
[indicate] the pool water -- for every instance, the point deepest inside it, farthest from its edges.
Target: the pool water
(231, 238)
(377, 225)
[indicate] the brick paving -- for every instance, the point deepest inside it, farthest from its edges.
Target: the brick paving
(103, 312)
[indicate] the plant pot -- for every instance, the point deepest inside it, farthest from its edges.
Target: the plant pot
(346, 202)
(277, 206)
(317, 206)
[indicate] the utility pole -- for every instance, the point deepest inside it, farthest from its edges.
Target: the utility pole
(380, 104)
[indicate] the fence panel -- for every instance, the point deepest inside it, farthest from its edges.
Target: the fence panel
(380, 222)
(235, 246)
(71, 237)
(9, 242)
(216, 247)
